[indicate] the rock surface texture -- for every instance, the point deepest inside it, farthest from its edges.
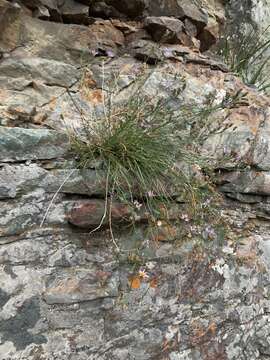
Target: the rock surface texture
(64, 293)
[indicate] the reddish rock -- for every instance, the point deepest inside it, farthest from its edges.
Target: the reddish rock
(88, 213)
(106, 34)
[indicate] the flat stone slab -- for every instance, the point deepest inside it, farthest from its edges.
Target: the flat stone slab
(18, 144)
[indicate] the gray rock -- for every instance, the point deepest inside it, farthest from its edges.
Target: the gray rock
(184, 9)
(67, 43)
(68, 294)
(165, 29)
(75, 13)
(18, 144)
(80, 287)
(50, 72)
(16, 180)
(39, 6)
(147, 51)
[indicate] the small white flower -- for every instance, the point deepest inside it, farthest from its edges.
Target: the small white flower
(185, 217)
(150, 193)
(159, 223)
(142, 274)
(137, 204)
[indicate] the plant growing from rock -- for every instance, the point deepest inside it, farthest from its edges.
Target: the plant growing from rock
(248, 55)
(147, 154)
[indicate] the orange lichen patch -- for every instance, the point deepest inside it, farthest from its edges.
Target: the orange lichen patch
(198, 330)
(52, 103)
(201, 333)
(212, 328)
(87, 81)
(134, 281)
(95, 97)
(153, 283)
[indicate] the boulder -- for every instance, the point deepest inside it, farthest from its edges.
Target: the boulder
(39, 8)
(105, 11)
(61, 42)
(165, 29)
(248, 182)
(132, 9)
(75, 13)
(147, 51)
(179, 9)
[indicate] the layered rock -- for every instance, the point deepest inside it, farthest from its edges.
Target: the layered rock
(65, 293)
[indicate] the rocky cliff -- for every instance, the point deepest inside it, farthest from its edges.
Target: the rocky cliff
(66, 293)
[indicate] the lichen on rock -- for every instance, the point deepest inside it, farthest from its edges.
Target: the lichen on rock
(177, 290)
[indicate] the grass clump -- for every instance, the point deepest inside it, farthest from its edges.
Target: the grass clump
(248, 55)
(135, 146)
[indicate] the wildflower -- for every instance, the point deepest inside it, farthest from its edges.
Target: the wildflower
(110, 53)
(209, 233)
(142, 274)
(94, 52)
(150, 265)
(238, 157)
(150, 193)
(185, 217)
(194, 229)
(196, 167)
(226, 150)
(137, 204)
(206, 203)
(159, 223)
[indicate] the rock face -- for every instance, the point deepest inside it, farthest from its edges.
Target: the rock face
(65, 293)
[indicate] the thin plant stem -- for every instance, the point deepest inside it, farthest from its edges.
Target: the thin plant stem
(106, 202)
(55, 195)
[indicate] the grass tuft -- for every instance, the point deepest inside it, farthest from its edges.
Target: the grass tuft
(248, 56)
(135, 146)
